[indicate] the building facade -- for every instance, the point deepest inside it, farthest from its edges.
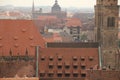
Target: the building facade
(73, 28)
(106, 21)
(67, 63)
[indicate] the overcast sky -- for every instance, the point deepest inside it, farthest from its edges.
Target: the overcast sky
(63, 3)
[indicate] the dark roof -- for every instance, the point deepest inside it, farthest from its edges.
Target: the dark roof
(73, 45)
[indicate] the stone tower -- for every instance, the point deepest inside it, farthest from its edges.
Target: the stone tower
(106, 21)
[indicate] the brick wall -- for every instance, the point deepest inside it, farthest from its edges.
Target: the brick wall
(103, 75)
(19, 68)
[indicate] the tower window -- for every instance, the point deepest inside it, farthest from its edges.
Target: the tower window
(111, 21)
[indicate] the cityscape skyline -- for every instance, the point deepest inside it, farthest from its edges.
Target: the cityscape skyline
(63, 3)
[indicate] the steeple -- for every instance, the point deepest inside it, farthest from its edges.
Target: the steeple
(33, 7)
(106, 21)
(33, 10)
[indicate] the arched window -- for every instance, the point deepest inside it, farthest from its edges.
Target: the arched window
(111, 21)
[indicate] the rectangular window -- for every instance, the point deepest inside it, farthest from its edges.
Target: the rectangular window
(50, 75)
(50, 66)
(90, 58)
(59, 75)
(51, 58)
(67, 75)
(42, 74)
(83, 75)
(42, 59)
(75, 66)
(111, 22)
(75, 75)
(82, 58)
(67, 67)
(59, 67)
(83, 67)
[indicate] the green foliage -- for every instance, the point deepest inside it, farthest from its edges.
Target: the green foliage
(83, 37)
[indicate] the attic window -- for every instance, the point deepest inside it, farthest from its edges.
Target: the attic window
(67, 73)
(51, 58)
(42, 73)
(83, 66)
(67, 65)
(59, 58)
(42, 58)
(82, 58)
(83, 74)
(91, 58)
(59, 74)
(50, 75)
(59, 66)
(75, 74)
(75, 58)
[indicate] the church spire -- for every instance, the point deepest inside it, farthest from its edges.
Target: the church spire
(33, 7)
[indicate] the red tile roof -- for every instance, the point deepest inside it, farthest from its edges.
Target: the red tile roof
(47, 18)
(67, 54)
(19, 36)
(73, 22)
(54, 38)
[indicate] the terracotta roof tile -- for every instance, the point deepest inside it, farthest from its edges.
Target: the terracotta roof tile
(19, 35)
(73, 22)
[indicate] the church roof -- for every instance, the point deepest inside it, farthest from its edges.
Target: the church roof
(19, 36)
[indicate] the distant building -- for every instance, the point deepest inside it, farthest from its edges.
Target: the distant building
(73, 27)
(55, 11)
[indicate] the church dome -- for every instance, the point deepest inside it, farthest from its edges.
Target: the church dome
(56, 7)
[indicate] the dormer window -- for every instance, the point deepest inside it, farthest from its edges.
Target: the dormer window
(74, 58)
(42, 58)
(91, 58)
